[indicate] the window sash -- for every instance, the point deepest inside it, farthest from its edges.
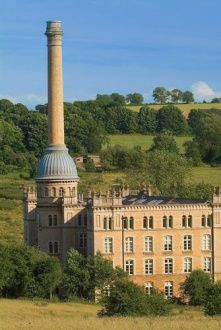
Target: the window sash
(149, 267)
(148, 244)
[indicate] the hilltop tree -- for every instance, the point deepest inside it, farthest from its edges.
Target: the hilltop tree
(160, 95)
(188, 97)
(176, 95)
(134, 98)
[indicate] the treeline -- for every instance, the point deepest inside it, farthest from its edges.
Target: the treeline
(28, 272)
(23, 133)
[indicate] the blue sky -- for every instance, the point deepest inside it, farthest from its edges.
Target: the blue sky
(111, 46)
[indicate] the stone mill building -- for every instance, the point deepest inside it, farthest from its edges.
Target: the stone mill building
(157, 240)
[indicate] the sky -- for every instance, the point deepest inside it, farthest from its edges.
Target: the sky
(110, 46)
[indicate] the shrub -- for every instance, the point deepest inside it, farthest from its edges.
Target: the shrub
(90, 166)
(126, 298)
(212, 304)
(195, 287)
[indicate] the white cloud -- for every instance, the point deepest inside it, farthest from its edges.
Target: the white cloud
(202, 90)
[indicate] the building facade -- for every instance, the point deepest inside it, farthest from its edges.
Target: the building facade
(157, 240)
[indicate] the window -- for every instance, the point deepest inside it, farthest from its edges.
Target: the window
(148, 244)
(107, 223)
(168, 243)
(55, 220)
(206, 242)
(148, 222)
(79, 220)
(61, 192)
(50, 247)
(50, 220)
(46, 192)
(168, 289)
(129, 245)
(85, 220)
(187, 221)
(187, 243)
(187, 265)
(108, 245)
(206, 221)
(168, 266)
(128, 223)
(55, 247)
(148, 287)
(83, 240)
(149, 266)
(168, 222)
(53, 192)
(130, 267)
(207, 264)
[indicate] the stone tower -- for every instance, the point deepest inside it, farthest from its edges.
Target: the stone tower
(54, 205)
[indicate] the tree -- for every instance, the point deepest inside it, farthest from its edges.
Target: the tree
(134, 98)
(216, 100)
(76, 275)
(192, 152)
(146, 120)
(164, 141)
(212, 303)
(125, 298)
(187, 97)
(167, 172)
(195, 287)
(90, 166)
(160, 95)
(176, 95)
(170, 118)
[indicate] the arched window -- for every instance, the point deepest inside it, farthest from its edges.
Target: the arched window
(53, 192)
(61, 192)
(184, 221)
(131, 223)
(74, 192)
(50, 220)
(50, 247)
(55, 220)
(46, 192)
(85, 220)
(56, 247)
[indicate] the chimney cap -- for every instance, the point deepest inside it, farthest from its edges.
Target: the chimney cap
(54, 28)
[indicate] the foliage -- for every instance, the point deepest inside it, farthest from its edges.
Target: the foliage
(164, 141)
(27, 272)
(84, 275)
(125, 298)
(160, 95)
(170, 118)
(167, 172)
(90, 166)
(134, 98)
(176, 95)
(212, 303)
(192, 152)
(195, 287)
(146, 120)
(187, 97)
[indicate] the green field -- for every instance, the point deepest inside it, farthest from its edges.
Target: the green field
(183, 107)
(23, 314)
(144, 141)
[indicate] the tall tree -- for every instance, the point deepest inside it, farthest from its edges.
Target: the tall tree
(146, 119)
(160, 95)
(170, 118)
(176, 95)
(135, 99)
(187, 97)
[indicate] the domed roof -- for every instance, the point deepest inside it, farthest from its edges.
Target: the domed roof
(56, 164)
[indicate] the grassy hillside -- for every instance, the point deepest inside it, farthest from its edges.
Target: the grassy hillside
(145, 141)
(22, 314)
(183, 107)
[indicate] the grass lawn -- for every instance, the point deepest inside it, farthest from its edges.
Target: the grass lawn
(23, 314)
(145, 141)
(183, 107)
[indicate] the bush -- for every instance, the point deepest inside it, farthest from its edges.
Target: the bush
(212, 304)
(126, 298)
(195, 287)
(90, 166)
